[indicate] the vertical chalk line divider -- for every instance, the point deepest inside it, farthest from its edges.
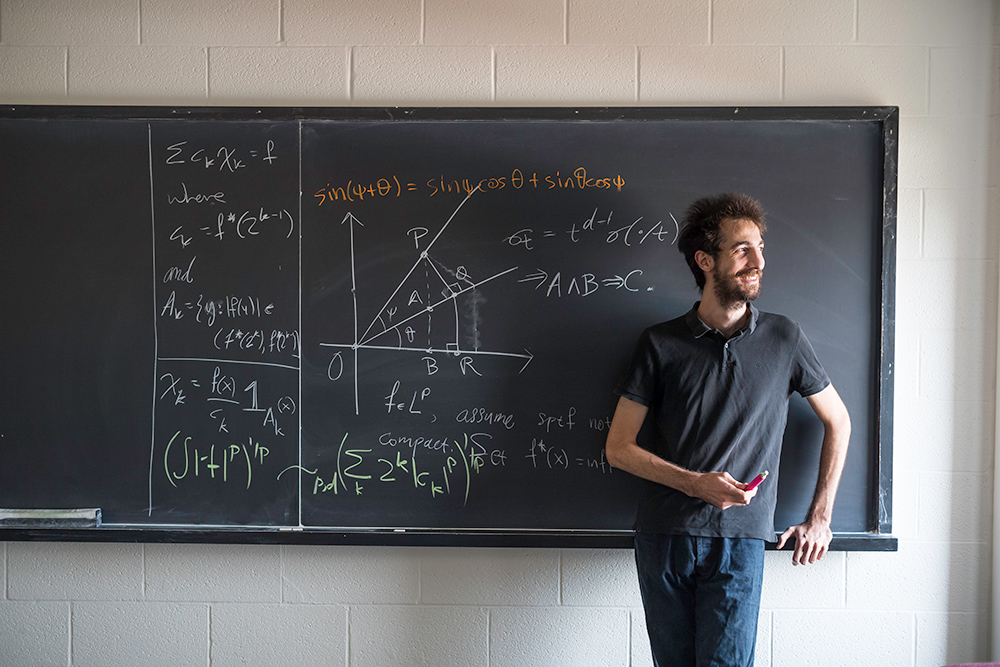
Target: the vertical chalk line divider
(156, 337)
(300, 325)
(354, 301)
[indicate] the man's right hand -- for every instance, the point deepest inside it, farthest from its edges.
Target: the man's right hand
(716, 488)
(721, 490)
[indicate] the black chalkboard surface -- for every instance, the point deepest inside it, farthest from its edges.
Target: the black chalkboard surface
(405, 325)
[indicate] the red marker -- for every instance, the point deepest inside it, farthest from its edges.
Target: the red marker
(756, 480)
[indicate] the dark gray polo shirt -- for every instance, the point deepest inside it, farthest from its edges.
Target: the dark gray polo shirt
(718, 405)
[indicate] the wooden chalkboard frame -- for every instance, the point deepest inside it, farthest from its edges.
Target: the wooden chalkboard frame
(878, 536)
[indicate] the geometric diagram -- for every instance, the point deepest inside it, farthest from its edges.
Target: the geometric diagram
(408, 307)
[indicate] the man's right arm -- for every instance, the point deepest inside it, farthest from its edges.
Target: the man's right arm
(716, 488)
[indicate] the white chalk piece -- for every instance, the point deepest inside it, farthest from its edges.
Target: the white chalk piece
(23, 518)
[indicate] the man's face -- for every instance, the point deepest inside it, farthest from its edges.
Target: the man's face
(739, 265)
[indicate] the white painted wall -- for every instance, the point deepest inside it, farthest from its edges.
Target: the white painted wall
(928, 604)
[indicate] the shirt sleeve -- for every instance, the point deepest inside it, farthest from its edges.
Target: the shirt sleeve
(808, 375)
(642, 377)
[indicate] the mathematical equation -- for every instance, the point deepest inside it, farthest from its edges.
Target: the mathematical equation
(634, 233)
(585, 284)
(206, 311)
(391, 186)
(226, 401)
(224, 464)
(220, 158)
(434, 467)
(437, 466)
(242, 225)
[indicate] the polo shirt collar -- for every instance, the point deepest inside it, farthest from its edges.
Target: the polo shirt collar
(699, 328)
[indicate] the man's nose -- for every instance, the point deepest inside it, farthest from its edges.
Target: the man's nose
(757, 259)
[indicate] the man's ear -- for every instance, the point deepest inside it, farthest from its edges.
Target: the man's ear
(704, 261)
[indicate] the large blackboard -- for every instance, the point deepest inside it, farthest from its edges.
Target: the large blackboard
(380, 324)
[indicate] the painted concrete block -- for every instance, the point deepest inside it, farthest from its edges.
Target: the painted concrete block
(137, 75)
(34, 633)
(709, 75)
(942, 436)
(600, 578)
(419, 636)
(956, 506)
(924, 22)
(494, 22)
(409, 75)
(762, 651)
(126, 634)
(269, 634)
(290, 76)
(73, 571)
(782, 22)
(213, 573)
(573, 74)
(551, 636)
(837, 638)
(211, 23)
(909, 223)
(32, 75)
(957, 226)
(949, 639)
(995, 76)
(941, 153)
(907, 363)
(921, 576)
(490, 576)
(993, 161)
(346, 575)
(946, 293)
(65, 22)
(818, 585)
(905, 501)
(639, 649)
(863, 75)
(634, 22)
(959, 365)
(960, 80)
(993, 192)
(343, 22)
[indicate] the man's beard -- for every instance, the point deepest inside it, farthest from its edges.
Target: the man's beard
(731, 292)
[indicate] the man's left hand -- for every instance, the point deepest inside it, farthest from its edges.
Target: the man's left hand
(812, 539)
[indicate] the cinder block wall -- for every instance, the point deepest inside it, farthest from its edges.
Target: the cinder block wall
(928, 604)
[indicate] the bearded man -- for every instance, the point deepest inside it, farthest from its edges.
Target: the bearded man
(715, 385)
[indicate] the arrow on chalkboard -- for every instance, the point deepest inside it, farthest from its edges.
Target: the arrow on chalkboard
(530, 357)
(354, 297)
(350, 216)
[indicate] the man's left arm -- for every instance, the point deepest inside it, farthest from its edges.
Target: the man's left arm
(812, 537)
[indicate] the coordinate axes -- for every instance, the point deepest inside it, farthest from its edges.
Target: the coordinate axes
(434, 294)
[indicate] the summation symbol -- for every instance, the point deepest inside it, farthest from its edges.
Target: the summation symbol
(438, 293)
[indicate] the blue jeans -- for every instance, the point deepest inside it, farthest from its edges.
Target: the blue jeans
(702, 598)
